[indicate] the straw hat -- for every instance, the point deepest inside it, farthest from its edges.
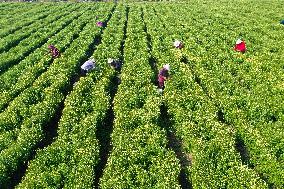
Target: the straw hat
(167, 67)
(239, 41)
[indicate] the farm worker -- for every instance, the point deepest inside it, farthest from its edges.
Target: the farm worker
(178, 44)
(240, 46)
(162, 76)
(282, 22)
(100, 24)
(87, 66)
(54, 51)
(116, 64)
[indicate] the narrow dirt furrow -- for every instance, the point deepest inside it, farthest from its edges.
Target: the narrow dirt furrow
(165, 123)
(176, 145)
(105, 129)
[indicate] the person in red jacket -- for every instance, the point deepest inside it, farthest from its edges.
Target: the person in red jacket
(240, 46)
(163, 76)
(53, 51)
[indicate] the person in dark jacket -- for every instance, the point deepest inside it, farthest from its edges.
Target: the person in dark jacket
(163, 76)
(178, 44)
(115, 64)
(53, 51)
(282, 22)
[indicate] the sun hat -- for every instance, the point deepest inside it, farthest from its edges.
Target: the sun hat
(239, 41)
(167, 66)
(177, 43)
(109, 60)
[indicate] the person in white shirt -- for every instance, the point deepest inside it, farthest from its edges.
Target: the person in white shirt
(87, 66)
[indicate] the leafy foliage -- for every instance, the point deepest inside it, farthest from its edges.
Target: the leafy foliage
(224, 106)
